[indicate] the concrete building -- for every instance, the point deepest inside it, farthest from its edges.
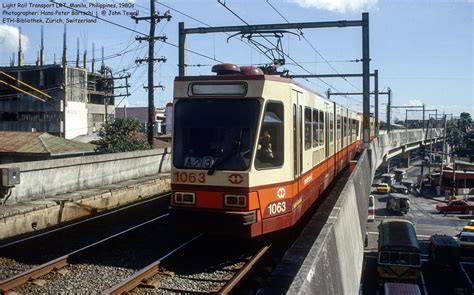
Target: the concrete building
(79, 99)
(141, 114)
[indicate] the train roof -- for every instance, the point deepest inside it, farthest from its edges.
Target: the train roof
(231, 72)
(396, 233)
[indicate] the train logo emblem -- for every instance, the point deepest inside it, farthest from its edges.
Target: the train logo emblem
(235, 178)
(281, 193)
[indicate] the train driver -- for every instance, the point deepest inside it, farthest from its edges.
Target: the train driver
(265, 152)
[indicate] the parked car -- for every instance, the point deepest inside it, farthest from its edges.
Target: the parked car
(466, 239)
(398, 203)
(444, 251)
(383, 188)
(371, 209)
(469, 226)
(398, 188)
(455, 205)
(400, 174)
(409, 184)
(387, 178)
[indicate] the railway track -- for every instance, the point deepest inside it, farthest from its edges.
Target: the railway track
(154, 276)
(59, 263)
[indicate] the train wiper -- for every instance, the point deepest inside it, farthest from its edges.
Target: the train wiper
(226, 157)
(219, 162)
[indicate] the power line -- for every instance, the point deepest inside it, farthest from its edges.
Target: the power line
(203, 23)
(311, 45)
(98, 17)
(285, 54)
(132, 30)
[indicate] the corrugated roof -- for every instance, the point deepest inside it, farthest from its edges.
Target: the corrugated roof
(40, 143)
(397, 232)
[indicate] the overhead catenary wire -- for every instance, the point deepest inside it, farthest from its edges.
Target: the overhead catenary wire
(203, 23)
(312, 46)
(285, 54)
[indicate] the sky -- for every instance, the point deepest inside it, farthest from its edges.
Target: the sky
(423, 50)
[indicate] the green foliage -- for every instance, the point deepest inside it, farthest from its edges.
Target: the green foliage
(464, 122)
(453, 135)
(459, 134)
(121, 136)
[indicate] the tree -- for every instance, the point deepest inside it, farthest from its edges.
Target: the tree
(453, 135)
(121, 136)
(465, 122)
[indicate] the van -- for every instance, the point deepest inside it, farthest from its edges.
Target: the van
(398, 203)
(444, 251)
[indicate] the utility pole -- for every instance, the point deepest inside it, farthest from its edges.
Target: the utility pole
(389, 107)
(126, 86)
(376, 103)
(440, 182)
(153, 18)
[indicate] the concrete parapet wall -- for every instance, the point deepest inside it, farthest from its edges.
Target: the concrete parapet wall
(43, 179)
(331, 263)
(37, 215)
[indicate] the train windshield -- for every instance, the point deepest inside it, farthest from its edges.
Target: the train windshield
(214, 134)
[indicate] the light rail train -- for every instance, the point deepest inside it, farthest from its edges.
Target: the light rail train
(252, 152)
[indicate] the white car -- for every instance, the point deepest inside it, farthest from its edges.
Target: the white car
(466, 239)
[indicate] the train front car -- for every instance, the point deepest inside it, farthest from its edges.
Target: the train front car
(229, 169)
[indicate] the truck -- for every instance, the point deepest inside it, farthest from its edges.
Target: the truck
(455, 205)
(398, 203)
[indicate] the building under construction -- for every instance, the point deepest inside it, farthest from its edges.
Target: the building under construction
(60, 99)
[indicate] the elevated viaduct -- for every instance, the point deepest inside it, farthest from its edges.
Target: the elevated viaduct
(56, 191)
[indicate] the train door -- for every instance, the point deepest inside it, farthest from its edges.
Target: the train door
(297, 99)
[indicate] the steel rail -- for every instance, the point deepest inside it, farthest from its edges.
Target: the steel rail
(145, 273)
(33, 274)
(237, 278)
(43, 269)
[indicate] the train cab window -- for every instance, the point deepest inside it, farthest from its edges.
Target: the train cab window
(307, 128)
(316, 134)
(215, 134)
(270, 148)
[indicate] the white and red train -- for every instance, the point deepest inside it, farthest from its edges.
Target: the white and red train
(252, 152)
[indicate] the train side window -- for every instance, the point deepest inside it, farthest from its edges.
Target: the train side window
(357, 128)
(307, 128)
(315, 128)
(331, 127)
(270, 148)
(321, 128)
(338, 131)
(345, 126)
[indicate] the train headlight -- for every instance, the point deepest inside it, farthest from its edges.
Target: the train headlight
(184, 198)
(235, 201)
